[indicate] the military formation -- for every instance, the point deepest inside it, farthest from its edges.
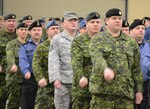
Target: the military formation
(75, 63)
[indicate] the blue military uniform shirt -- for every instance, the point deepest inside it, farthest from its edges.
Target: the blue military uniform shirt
(26, 53)
(145, 59)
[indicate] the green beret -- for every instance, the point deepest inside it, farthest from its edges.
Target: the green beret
(93, 15)
(36, 23)
(136, 22)
(29, 17)
(21, 25)
(125, 23)
(113, 12)
(10, 16)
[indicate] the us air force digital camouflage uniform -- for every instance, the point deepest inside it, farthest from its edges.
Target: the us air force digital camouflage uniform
(59, 64)
(122, 55)
(5, 37)
(45, 96)
(82, 67)
(13, 79)
(60, 67)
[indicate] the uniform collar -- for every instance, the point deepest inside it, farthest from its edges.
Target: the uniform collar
(31, 41)
(122, 36)
(67, 36)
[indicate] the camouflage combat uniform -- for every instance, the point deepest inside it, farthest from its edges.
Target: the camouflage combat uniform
(44, 34)
(5, 37)
(121, 54)
(13, 80)
(45, 96)
(82, 67)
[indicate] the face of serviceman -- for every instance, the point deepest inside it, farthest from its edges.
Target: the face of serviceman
(22, 32)
(114, 23)
(71, 24)
(125, 30)
(138, 33)
(93, 26)
(53, 30)
(10, 25)
(36, 33)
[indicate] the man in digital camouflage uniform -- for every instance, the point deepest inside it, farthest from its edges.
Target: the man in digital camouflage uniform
(116, 74)
(6, 35)
(13, 73)
(45, 93)
(81, 62)
(60, 68)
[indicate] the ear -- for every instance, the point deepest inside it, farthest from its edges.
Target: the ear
(106, 20)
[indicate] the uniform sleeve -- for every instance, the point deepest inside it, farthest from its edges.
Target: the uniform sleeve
(77, 64)
(136, 70)
(37, 63)
(10, 55)
(53, 61)
(23, 61)
(99, 64)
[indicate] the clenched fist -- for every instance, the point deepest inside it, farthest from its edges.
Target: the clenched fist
(14, 68)
(83, 82)
(42, 83)
(108, 74)
(27, 75)
(57, 84)
(1, 69)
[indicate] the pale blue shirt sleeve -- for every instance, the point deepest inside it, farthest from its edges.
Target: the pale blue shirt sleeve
(23, 61)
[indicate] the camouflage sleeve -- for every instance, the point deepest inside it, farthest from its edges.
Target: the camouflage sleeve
(77, 63)
(136, 70)
(54, 61)
(37, 63)
(10, 55)
(99, 64)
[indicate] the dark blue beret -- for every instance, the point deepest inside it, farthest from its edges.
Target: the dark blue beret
(51, 23)
(36, 23)
(10, 16)
(113, 12)
(82, 24)
(136, 22)
(93, 15)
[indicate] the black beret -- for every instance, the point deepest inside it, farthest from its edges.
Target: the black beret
(51, 23)
(51, 18)
(19, 21)
(41, 20)
(113, 12)
(10, 16)
(29, 17)
(125, 23)
(146, 18)
(21, 25)
(93, 15)
(135, 23)
(36, 23)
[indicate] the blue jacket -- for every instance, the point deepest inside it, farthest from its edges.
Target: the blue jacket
(145, 60)
(26, 53)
